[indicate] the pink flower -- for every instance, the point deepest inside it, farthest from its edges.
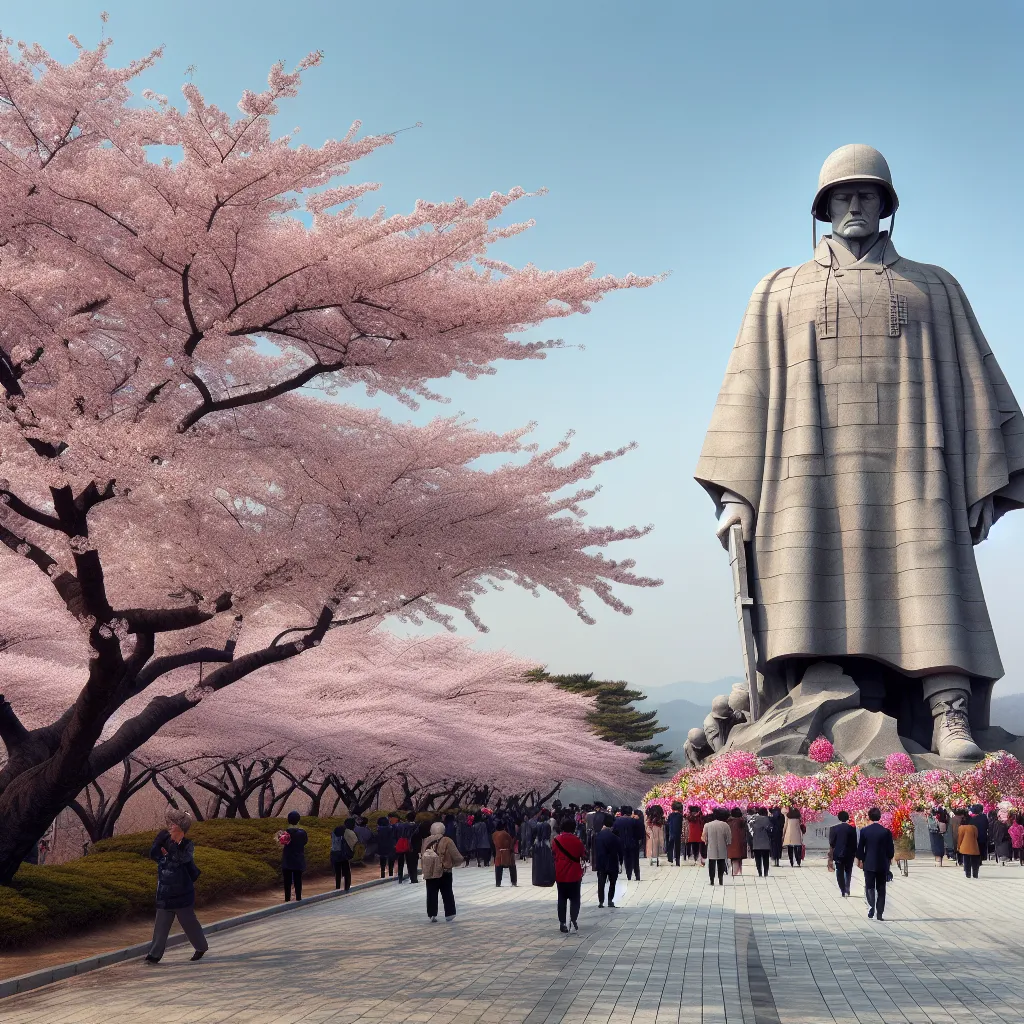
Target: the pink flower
(900, 763)
(821, 751)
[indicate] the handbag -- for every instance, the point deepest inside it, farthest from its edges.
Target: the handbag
(831, 861)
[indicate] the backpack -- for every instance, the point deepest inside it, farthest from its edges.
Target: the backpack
(339, 845)
(403, 845)
(431, 865)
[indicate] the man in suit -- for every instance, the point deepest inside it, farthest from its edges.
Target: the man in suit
(607, 858)
(979, 820)
(875, 852)
(627, 832)
(842, 841)
(674, 833)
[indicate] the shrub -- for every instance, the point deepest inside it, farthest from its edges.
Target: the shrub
(117, 879)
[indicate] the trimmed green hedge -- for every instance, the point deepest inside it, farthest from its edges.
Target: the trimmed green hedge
(118, 880)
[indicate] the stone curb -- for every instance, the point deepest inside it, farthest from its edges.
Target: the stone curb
(48, 975)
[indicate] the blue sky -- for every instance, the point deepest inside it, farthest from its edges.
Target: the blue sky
(671, 137)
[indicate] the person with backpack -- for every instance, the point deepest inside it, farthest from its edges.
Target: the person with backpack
(405, 832)
(176, 876)
(293, 857)
(570, 857)
(343, 848)
(440, 856)
(386, 845)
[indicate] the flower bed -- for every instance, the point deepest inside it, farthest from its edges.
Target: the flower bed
(739, 779)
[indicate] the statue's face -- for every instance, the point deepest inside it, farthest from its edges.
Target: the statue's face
(856, 209)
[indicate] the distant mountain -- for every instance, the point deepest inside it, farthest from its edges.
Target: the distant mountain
(1008, 712)
(696, 693)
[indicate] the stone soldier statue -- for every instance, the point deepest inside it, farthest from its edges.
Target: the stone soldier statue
(718, 724)
(696, 747)
(865, 439)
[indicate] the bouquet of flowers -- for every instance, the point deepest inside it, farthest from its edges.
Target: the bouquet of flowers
(283, 837)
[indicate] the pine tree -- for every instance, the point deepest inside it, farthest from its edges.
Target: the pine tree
(614, 717)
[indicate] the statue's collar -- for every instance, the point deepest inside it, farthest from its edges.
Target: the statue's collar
(831, 253)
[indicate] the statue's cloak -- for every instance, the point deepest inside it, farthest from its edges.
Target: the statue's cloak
(864, 455)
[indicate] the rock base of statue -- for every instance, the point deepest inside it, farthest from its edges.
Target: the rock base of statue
(826, 702)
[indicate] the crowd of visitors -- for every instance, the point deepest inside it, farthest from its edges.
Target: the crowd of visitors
(562, 842)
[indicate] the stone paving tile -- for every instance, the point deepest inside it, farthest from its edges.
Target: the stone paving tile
(675, 952)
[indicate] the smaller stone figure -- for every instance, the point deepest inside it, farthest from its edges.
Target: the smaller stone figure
(696, 747)
(718, 724)
(739, 702)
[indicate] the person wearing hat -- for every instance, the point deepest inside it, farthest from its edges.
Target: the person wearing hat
(175, 886)
(864, 441)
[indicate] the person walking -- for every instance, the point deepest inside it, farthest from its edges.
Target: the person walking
(343, 848)
(607, 860)
(386, 839)
(570, 855)
(778, 829)
(543, 860)
(1016, 831)
(481, 842)
(695, 822)
(655, 815)
(674, 824)
(464, 836)
(875, 852)
(969, 848)
(956, 819)
(1002, 849)
(716, 837)
(938, 825)
(979, 820)
(761, 840)
(504, 853)
(403, 845)
(176, 875)
(366, 837)
(626, 831)
(793, 836)
(293, 856)
(739, 840)
(842, 845)
(440, 857)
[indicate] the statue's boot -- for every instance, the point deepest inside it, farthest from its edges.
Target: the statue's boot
(948, 695)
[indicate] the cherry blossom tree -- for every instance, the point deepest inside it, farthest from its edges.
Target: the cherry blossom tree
(174, 339)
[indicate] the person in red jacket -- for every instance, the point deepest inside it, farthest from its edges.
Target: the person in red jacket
(570, 854)
(695, 823)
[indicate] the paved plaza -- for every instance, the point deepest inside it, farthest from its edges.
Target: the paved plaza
(787, 950)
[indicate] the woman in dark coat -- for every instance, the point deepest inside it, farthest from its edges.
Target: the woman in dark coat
(776, 828)
(999, 837)
(740, 840)
(464, 837)
(543, 857)
(293, 857)
(450, 827)
(176, 874)
(482, 842)
(386, 846)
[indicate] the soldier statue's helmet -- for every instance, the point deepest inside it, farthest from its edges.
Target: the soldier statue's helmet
(697, 736)
(720, 706)
(855, 162)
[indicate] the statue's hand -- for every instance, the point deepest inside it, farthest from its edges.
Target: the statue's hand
(735, 512)
(980, 517)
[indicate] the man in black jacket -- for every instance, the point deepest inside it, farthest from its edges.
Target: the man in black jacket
(979, 820)
(607, 858)
(625, 828)
(842, 841)
(875, 852)
(674, 833)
